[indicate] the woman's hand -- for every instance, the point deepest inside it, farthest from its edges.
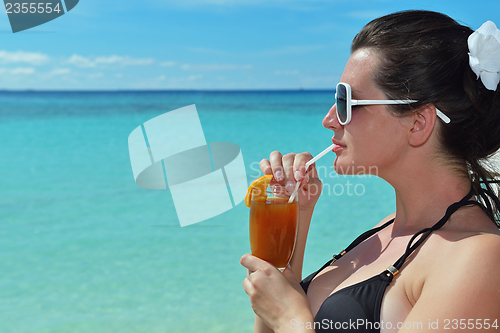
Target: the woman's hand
(277, 298)
(289, 169)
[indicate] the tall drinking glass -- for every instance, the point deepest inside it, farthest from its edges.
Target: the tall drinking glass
(273, 226)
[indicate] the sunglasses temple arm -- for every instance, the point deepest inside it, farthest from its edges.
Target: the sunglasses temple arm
(443, 117)
(440, 114)
(381, 102)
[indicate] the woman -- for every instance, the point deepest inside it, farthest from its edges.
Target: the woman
(433, 265)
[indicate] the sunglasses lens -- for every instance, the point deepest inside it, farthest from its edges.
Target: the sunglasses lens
(342, 103)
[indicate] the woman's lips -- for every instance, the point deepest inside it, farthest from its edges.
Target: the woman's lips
(337, 147)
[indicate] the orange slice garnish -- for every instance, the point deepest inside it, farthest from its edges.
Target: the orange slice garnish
(260, 183)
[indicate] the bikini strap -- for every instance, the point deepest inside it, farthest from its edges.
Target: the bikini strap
(358, 240)
(361, 238)
(410, 248)
(394, 269)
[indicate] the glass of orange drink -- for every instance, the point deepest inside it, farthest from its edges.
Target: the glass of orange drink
(273, 222)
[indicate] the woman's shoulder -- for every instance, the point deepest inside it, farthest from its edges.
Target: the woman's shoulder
(470, 243)
(457, 273)
(467, 245)
(472, 228)
(472, 232)
(474, 247)
(457, 266)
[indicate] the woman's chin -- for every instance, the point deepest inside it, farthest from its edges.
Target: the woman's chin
(342, 168)
(346, 167)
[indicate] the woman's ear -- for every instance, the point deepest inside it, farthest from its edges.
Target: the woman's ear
(423, 123)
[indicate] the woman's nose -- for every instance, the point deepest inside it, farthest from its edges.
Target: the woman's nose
(330, 121)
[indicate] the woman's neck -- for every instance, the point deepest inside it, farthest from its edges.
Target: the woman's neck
(424, 194)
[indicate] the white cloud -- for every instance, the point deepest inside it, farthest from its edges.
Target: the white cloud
(17, 71)
(214, 67)
(60, 72)
(81, 61)
(125, 61)
(168, 82)
(193, 77)
(22, 71)
(33, 58)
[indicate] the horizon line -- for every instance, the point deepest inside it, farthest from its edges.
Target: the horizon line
(168, 90)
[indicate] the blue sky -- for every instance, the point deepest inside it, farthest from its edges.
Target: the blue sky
(201, 44)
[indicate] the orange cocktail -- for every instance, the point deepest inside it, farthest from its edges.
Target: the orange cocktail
(273, 227)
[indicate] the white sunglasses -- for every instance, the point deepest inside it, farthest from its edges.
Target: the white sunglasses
(345, 103)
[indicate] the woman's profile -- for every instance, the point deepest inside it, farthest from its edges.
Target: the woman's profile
(419, 102)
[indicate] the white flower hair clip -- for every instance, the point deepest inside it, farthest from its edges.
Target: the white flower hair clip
(484, 54)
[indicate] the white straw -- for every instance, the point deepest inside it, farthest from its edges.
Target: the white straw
(314, 159)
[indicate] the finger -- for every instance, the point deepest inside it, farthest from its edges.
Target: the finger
(248, 286)
(277, 167)
(288, 161)
(299, 165)
(312, 173)
(288, 168)
(265, 167)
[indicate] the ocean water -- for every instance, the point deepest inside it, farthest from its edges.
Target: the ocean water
(84, 249)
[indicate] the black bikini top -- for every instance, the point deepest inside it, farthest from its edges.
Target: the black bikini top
(356, 308)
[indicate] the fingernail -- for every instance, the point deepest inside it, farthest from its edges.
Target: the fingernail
(307, 178)
(297, 175)
(279, 175)
(289, 186)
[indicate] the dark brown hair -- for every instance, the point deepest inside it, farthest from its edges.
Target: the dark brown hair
(424, 57)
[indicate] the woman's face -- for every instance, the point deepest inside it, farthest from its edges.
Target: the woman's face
(375, 140)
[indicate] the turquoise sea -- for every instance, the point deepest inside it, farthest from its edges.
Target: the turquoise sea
(84, 249)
